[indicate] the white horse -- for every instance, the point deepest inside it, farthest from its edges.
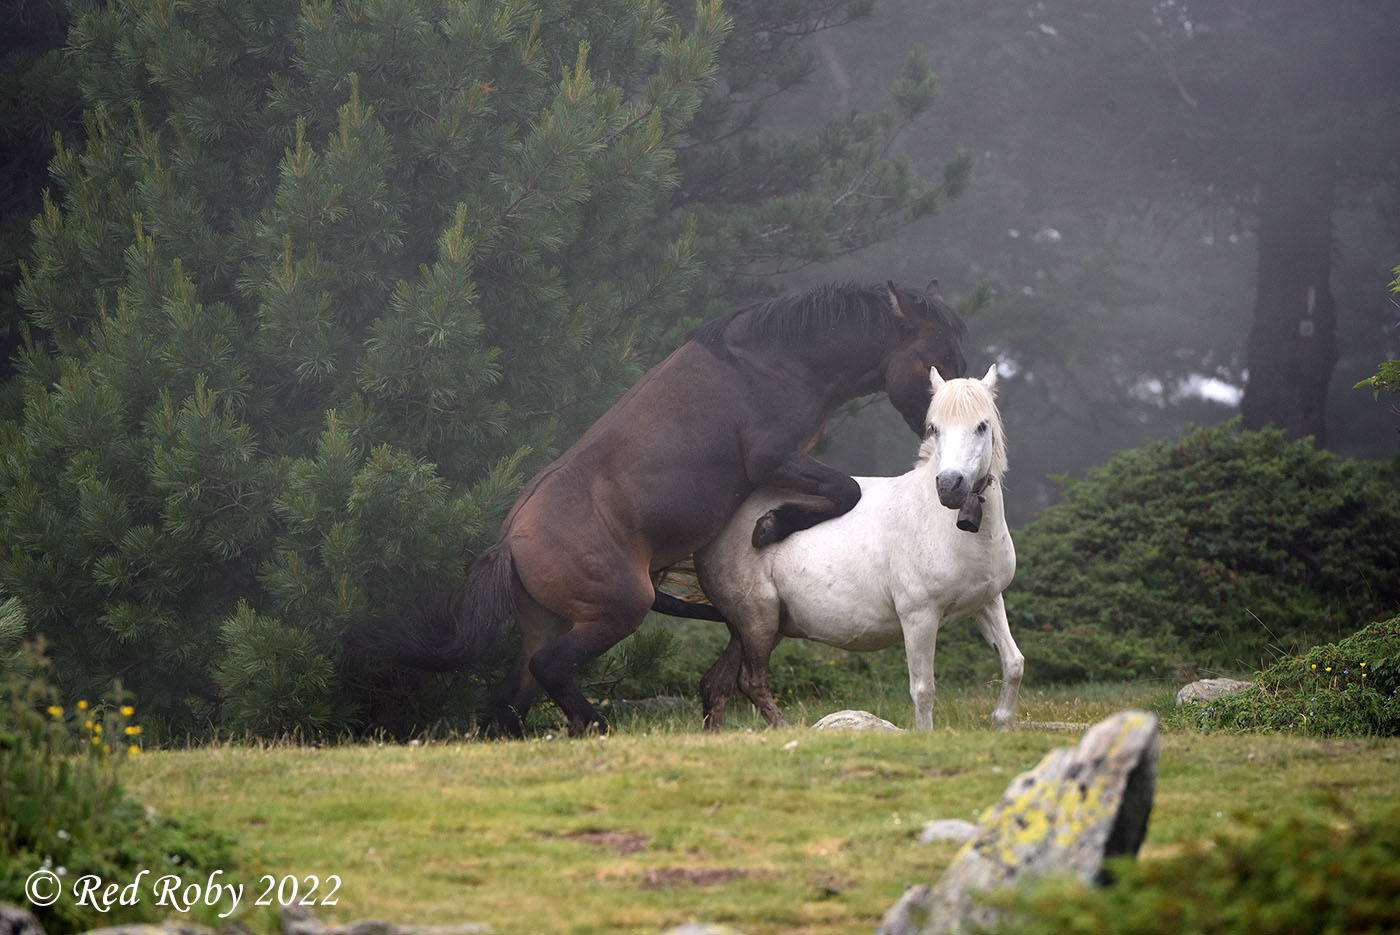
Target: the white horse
(896, 567)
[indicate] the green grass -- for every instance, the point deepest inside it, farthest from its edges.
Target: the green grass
(788, 831)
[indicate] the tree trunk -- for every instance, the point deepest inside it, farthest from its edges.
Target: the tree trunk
(1292, 341)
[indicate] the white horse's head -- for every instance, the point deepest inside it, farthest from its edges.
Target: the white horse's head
(963, 438)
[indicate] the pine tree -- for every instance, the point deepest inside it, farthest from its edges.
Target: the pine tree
(316, 287)
(320, 284)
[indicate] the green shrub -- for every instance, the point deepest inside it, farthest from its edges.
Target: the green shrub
(1315, 876)
(1205, 553)
(1348, 687)
(63, 807)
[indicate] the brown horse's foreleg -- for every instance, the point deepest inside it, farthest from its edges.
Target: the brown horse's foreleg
(834, 492)
(721, 681)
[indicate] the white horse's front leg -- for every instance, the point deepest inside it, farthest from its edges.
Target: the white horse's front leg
(991, 620)
(920, 628)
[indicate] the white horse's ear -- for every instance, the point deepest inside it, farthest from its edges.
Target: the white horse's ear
(935, 378)
(990, 380)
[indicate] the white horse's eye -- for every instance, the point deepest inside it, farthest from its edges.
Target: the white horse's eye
(982, 427)
(932, 431)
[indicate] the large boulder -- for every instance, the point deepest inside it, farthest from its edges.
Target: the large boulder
(1078, 806)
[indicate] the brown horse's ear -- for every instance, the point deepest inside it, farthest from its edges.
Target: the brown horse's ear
(896, 303)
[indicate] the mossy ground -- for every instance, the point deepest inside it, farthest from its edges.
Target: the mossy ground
(770, 832)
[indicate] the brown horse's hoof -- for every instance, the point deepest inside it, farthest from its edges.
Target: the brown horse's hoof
(765, 530)
(597, 727)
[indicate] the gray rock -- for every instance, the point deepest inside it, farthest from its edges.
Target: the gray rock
(947, 829)
(854, 720)
(1210, 689)
(298, 920)
(17, 921)
(169, 927)
(1075, 808)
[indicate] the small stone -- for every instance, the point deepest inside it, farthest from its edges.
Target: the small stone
(297, 920)
(17, 921)
(1210, 689)
(154, 928)
(947, 829)
(854, 720)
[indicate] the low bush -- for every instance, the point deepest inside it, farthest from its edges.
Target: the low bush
(1205, 553)
(1348, 687)
(63, 807)
(1316, 876)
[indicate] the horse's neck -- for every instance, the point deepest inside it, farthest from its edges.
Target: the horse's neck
(848, 371)
(993, 506)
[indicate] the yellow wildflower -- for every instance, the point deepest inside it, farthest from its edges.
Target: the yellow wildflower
(133, 750)
(55, 710)
(96, 741)
(132, 730)
(128, 710)
(97, 728)
(88, 724)
(82, 705)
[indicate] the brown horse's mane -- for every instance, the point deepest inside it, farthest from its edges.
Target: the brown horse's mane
(833, 314)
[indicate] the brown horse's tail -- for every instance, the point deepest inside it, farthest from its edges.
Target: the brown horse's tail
(467, 632)
(488, 598)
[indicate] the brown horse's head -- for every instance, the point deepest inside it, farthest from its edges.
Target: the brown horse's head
(934, 333)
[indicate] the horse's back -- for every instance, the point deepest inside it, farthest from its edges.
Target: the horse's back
(828, 582)
(651, 481)
(845, 580)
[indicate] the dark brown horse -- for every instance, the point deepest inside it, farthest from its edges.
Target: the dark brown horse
(658, 475)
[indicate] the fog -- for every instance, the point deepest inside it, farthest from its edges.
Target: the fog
(1124, 158)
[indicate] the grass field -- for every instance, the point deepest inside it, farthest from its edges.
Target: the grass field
(789, 831)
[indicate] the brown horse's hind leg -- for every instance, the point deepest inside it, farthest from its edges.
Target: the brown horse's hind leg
(753, 674)
(596, 629)
(721, 681)
(537, 628)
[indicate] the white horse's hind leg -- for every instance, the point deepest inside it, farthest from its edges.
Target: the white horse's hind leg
(991, 620)
(920, 640)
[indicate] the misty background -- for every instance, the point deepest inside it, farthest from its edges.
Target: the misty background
(309, 291)
(1114, 210)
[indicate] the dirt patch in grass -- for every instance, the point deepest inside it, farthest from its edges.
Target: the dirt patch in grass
(625, 843)
(661, 878)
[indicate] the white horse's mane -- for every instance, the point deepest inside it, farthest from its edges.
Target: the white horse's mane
(968, 401)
